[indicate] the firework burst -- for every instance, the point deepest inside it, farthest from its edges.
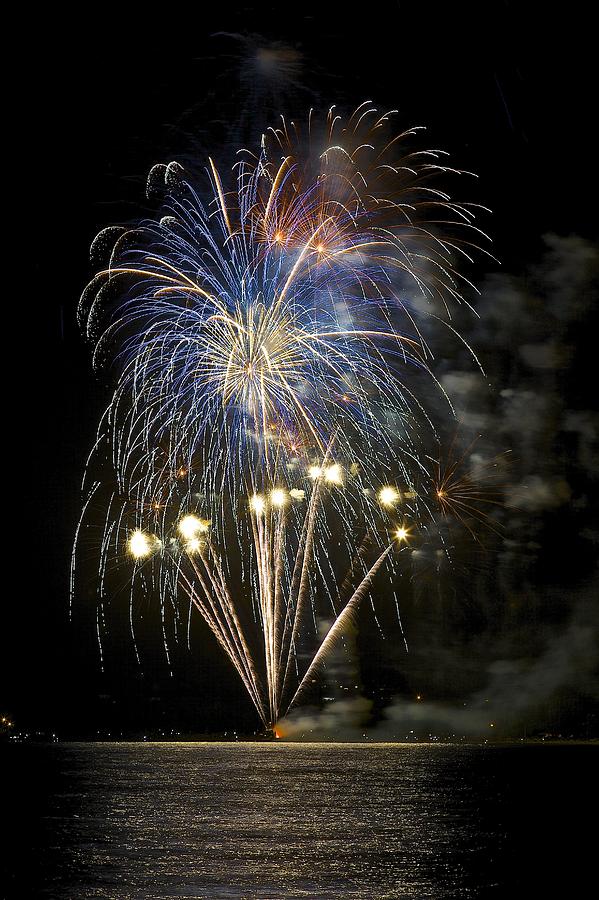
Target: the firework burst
(269, 359)
(466, 488)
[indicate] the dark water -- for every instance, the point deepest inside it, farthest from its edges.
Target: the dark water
(316, 821)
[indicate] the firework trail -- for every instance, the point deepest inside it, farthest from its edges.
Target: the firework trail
(266, 343)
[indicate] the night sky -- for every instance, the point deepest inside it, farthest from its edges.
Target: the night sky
(514, 624)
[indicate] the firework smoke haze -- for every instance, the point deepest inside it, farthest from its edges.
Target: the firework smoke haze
(272, 375)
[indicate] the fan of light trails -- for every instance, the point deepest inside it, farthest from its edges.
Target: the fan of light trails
(283, 591)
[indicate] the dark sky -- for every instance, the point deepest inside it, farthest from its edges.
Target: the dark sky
(97, 110)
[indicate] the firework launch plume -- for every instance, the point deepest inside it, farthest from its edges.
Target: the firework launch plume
(266, 334)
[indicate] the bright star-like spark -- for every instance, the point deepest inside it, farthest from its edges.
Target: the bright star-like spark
(190, 526)
(334, 474)
(193, 545)
(388, 495)
(278, 497)
(139, 545)
(257, 504)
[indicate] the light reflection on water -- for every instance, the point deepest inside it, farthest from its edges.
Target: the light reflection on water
(265, 820)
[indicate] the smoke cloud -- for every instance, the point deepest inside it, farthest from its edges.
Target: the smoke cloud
(503, 640)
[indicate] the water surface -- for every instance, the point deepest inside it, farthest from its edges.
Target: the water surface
(263, 820)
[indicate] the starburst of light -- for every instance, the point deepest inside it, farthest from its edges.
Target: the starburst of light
(139, 545)
(389, 496)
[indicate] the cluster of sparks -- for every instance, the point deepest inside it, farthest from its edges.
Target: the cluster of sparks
(281, 604)
(267, 344)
